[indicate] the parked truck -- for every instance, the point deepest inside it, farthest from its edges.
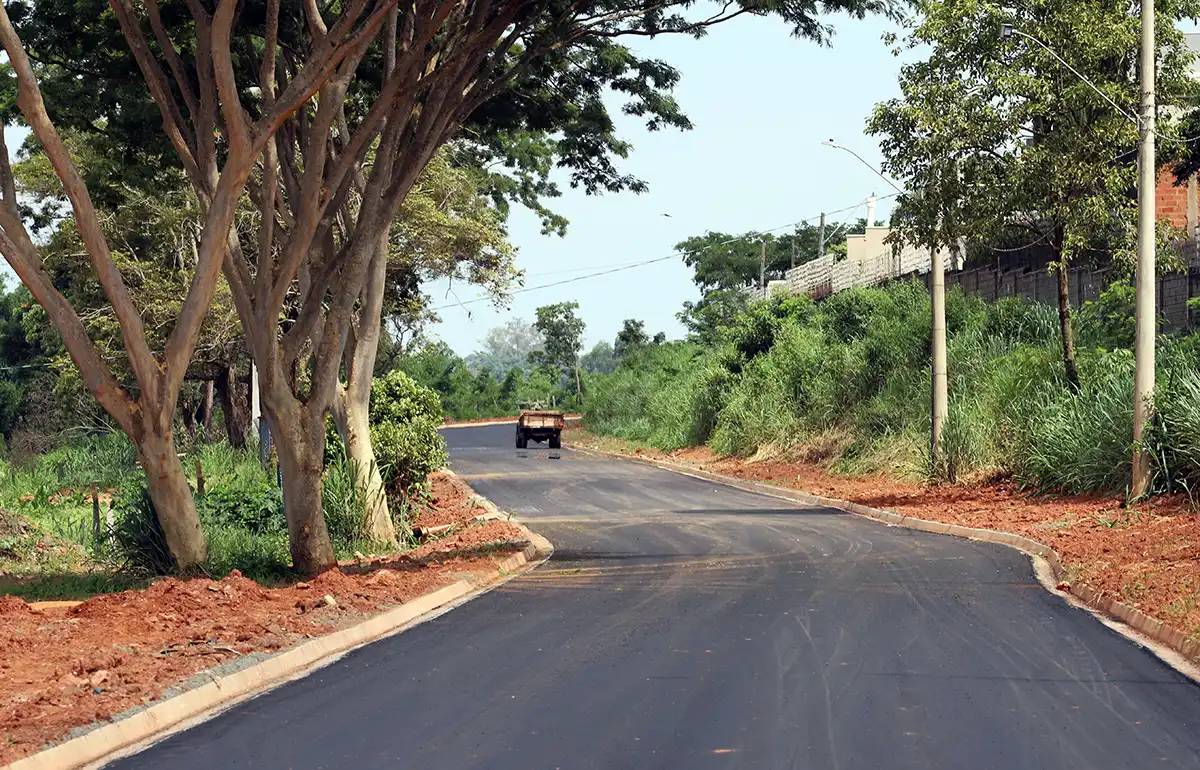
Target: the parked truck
(540, 426)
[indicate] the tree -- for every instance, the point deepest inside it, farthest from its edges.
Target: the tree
(562, 335)
(632, 336)
(600, 359)
(446, 227)
(718, 309)
(954, 135)
(156, 231)
(212, 94)
(506, 347)
(387, 90)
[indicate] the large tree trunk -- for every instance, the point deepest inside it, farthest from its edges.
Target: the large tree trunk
(352, 417)
(237, 419)
(351, 404)
(172, 498)
(299, 441)
(206, 408)
(1065, 326)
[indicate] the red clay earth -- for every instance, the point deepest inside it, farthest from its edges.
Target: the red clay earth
(1144, 555)
(68, 667)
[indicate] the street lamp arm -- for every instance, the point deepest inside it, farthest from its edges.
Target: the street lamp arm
(1014, 31)
(881, 175)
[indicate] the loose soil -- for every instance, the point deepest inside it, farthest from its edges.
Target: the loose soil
(66, 667)
(1146, 555)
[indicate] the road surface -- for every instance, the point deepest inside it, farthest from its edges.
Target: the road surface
(682, 624)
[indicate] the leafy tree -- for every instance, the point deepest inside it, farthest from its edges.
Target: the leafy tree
(506, 347)
(715, 311)
(953, 135)
(383, 90)
(632, 336)
(562, 339)
(146, 413)
(600, 359)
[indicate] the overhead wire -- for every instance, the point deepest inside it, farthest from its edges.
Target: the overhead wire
(673, 255)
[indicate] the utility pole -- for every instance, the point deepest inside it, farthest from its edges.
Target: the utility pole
(1143, 377)
(762, 269)
(793, 251)
(821, 237)
(940, 396)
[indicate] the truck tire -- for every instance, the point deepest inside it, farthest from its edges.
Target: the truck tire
(522, 442)
(556, 441)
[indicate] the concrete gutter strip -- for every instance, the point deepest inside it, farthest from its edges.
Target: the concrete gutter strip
(134, 732)
(1146, 628)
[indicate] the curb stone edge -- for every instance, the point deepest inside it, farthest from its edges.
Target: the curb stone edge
(137, 731)
(1144, 627)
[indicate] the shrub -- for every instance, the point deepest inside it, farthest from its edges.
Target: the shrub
(404, 430)
(255, 505)
(138, 536)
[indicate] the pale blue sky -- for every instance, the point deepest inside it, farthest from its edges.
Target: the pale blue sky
(762, 102)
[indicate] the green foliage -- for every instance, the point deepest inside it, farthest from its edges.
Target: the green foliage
(404, 422)
(137, 534)
(1109, 321)
(847, 380)
(343, 499)
(255, 505)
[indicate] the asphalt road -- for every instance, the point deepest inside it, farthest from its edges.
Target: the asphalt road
(686, 625)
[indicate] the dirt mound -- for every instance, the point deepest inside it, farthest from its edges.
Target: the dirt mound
(450, 503)
(13, 605)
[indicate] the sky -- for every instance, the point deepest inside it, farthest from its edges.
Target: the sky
(761, 102)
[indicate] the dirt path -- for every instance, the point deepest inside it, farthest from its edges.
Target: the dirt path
(63, 668)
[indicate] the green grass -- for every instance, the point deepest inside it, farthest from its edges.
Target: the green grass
(789, 374)
(50, 586)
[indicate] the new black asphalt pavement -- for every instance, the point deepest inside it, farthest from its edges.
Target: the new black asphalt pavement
(681, 624)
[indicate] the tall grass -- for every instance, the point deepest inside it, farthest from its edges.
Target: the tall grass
(847, 380)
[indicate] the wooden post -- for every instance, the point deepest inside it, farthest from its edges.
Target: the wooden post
(95, 515)
(199, 479)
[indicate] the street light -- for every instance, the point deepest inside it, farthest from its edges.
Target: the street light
(836, 146)
(1143, 348)
(939, 382)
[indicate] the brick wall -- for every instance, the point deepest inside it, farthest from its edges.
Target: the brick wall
(1171, 200)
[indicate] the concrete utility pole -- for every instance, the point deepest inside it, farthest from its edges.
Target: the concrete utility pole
(793, 251)
(762, 268)
(939, 396)
(821, 237)
(940, 393)
(1143, 377)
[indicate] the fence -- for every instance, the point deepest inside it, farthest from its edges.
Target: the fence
(871, 262)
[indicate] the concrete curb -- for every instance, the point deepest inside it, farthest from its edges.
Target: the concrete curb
(156, 722)
(1150, 628)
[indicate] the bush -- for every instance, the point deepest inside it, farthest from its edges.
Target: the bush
(137, 535)
(254, 505)
(404, 430)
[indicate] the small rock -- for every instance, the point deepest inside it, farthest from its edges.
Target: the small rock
(213, 588)
(98, 678)
(237, 573)
(379, 576)
(358, 557)
(302, 585)
(71, 680)
(328, 601)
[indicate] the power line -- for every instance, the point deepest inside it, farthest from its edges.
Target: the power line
(673, 255)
